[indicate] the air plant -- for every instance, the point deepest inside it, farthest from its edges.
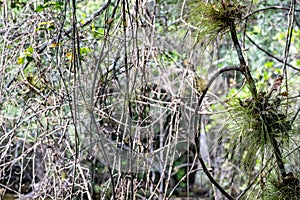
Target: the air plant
(286, 189)
(259, 125)
(212, 19)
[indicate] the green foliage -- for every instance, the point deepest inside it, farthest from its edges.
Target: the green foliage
(286, 189)
(84, 51)
(211, 19)
(255, 125)
(50, 4)
(169, 57)
(18, 4)
(26, 55)
(49, 25)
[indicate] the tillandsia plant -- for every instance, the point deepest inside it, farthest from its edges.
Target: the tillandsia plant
(287, 189)
(260, 125)
(212, 19)
(258, 122)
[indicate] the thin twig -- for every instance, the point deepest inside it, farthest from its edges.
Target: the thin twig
(271, 55)
(267, 8)
(291, 20)
(295, 116)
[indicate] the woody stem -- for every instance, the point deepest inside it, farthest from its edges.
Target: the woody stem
(244, 68)
(278, 156)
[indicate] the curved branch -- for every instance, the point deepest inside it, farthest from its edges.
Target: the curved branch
(197, 129)
(269, 54)
(268, 8)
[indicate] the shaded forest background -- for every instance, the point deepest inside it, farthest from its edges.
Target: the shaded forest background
(149, 99)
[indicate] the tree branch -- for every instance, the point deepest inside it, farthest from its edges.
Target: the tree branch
(269, 54)
(278, 156)
(244, 68)
(197, 130)
(268, 8)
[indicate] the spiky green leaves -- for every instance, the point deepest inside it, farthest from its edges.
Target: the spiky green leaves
(257, 127)
(211, 19)
(286, 189)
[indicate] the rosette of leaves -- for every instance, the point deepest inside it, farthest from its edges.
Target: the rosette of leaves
(211, 19)
(256, 128)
